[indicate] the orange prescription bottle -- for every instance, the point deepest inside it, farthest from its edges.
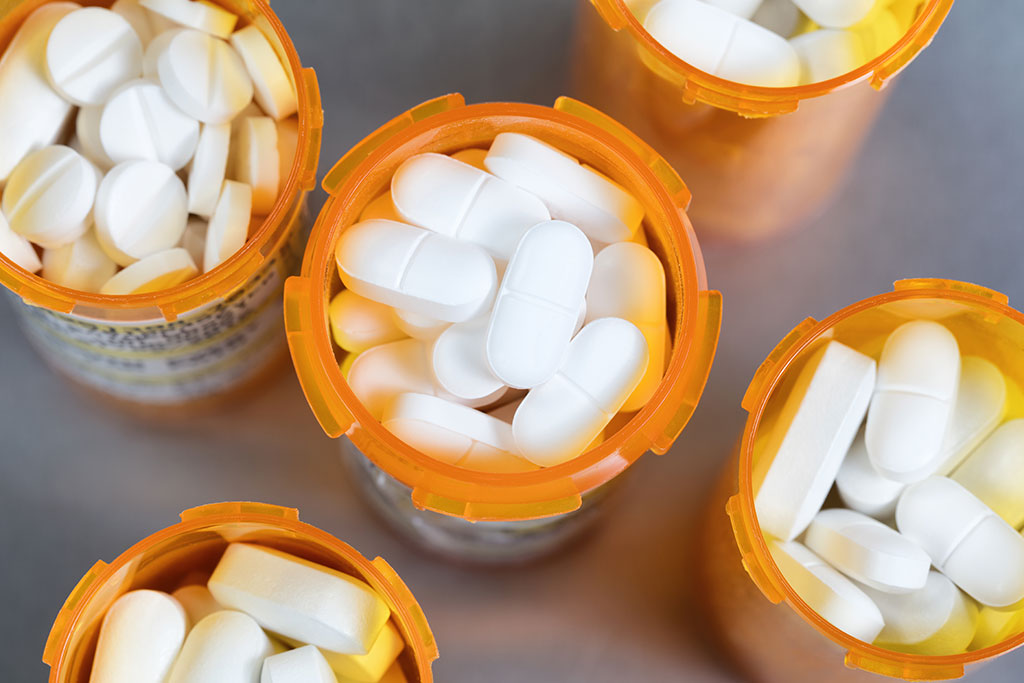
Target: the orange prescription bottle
(759, 160)
(194, 545)
(473, 515)
(772, 642)
(184, 348)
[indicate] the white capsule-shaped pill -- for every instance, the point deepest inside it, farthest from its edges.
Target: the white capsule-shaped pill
(604, 210)
(459, 360)
(198, 602)
(723, 44)
(301, 665)
(17, 248)
(156, 272)
(778, 16)
(439, 193)
(833, 596)
(628, 282)
(966, 540)
(299, 599)
(225, 647)
(451, 432)
(204, 77)
(837, 13)
(420, 326)
(416, 270)
(868, 551)
(372, 667)
(862, 488)
(918, 376)
(81, 265)
(141, 209)
(937, 619)
(49, 196)
(538, 303)
(141, 636)
(87, 130)
(980, 402)
(603, 366)
(813, 431)
(229, 225)
(995, 472)
(254, 161)
(140, 122)
(208, 169)
(32, 114)
(358, 324)
(827, 53)
(273, 89)
(202, 16)
(92, 52)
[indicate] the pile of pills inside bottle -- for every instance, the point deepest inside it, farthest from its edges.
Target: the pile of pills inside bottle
(262, 616)
(142, 142)
(920, 470)
(776, 43)
(500, 307)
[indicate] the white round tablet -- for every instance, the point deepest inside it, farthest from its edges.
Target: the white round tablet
(140, 122)
(273, 89)
(209, 167)
(17, 248)
(81, 265)
(90, 53)
(158, 46)
(204, 77)
(229, 226)
(140, 210)
(87, 129)
(255, 162)
(203, 16)
(156, 272)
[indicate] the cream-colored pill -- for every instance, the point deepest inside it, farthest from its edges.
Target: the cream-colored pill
(17, 248)
(299, 599)
(204, 77)
(194, 239)
(203, 16)
(980, 402)
(197, 601)
(229, 226)
(81, 265)
(301, 665)
(255, 162)
(225, 647)
(358, 324)
(87, 129)
(208, 169)
(153, 273)
(994, 472)
(140, 122)
(273, 89)
(371, 667)
(141, 636)
(92, 52)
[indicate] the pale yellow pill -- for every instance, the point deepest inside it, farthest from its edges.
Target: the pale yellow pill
(358, 323)
(371, 667)
(158, 271)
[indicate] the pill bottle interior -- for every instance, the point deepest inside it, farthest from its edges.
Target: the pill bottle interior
(455, 510)
(272, 251)
(760, 161)
(163, 560)
(790, 642)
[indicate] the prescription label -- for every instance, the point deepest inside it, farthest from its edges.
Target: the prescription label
(203, 353)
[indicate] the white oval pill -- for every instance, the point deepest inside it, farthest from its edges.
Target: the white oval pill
(208, 169)
(862, 488)
(91, 52)
(629, 283)
(299, 599)
(459, 360)
(827, 53)
(836, 13)
(370, 667)
(868, 551)
(141, 208)
(918, 376)
(833, 596)
(17, 248)
(87, 129)
(301, 665)
(558, 419)
(436, 192)
(601, 208)
(358, 324)
(723, 44)
(194, 239)
(935, 620)
(225, 647)
(197, 601)
(229, 226)
(49, 196)
(156, 272)
(204, 77)
(966, 540)
(416, 270)
(813, 431)
(980, 402)
(537, 306)
(273, 89)
(142, 634)
(203, 16)
(141, 123)
(255, 162)
(32, 114)
(81, 265)
(995, 472)
(418, 326)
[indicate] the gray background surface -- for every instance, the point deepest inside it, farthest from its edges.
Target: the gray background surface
(937, 192)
